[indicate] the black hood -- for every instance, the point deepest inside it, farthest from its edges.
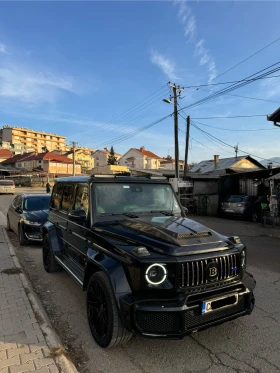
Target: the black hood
(40, 216)
(166, 235)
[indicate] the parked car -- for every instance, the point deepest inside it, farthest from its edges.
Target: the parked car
(7, 187)
(27, 214)
(147, 269)
(248, 207)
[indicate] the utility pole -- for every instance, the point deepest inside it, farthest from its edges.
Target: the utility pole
(176, 93)
(74, 144)
(187, 146)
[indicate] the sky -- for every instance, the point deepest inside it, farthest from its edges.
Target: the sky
(97, 72)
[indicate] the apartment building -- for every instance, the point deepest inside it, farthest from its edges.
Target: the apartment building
(84, 156)
(32, 140)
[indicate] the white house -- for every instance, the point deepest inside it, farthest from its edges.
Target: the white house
(140, 158)
(169, 164)
(101, 157)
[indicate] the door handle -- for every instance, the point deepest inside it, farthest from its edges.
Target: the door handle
(70, 231)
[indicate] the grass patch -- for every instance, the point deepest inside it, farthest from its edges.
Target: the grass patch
(11, 271)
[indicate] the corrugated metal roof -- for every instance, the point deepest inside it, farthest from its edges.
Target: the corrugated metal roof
(275, 177)
(209, 166)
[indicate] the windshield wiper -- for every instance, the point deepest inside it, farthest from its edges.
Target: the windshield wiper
(128, 214)
(167, 213)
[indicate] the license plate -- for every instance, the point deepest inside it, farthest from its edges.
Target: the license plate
(231, 211)
(219, 303)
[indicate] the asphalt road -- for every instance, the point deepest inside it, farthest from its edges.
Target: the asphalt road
(248, 344)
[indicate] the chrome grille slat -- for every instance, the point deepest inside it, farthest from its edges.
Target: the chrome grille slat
(225, 264)
(193, 273)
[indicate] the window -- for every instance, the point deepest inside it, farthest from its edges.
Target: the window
(67, 198)
(56, 196)
(82, 202)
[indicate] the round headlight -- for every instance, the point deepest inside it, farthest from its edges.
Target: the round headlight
(243, 259)
(156, 274)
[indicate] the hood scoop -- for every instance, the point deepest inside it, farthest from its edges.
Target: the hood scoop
(183, 236)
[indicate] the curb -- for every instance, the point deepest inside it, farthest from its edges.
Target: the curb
(52, 338)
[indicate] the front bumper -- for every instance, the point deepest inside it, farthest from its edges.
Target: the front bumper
(33, 233)
(183, 315)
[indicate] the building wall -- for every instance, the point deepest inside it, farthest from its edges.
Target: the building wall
(100, 159)
(140, 160)
(245, 163)
(110, 169)
(33, 139)
(171, 165)
(85, 159)
(60, 168)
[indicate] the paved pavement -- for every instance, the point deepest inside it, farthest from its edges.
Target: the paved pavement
(22, 344)
(249, 344)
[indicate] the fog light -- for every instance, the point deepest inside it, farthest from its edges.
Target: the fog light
(156, 274)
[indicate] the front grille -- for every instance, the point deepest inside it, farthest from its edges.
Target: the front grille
(158, 322)
(194, 273)
(194, 318)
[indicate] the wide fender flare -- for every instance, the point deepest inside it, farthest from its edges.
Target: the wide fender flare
(112, 267)
(54, 235)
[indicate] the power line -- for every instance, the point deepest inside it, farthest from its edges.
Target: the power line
(232, 82)
(246, 59)
(237, 130)
(235, 116)
(235, 86)
(127, 113)
(223, 142)
(135, 132)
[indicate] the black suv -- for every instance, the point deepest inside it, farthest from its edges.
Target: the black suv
(147, 269)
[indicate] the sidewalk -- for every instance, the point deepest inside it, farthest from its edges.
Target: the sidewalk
(23, 347)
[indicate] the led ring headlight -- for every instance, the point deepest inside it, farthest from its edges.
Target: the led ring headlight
(156, 274)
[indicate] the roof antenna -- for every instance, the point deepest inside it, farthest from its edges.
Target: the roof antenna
(236, 150)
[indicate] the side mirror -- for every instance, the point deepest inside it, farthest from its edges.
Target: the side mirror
(78, 216)
(19, 209)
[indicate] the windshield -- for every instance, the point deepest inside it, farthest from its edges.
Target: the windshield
(37, 203)
(117, 198)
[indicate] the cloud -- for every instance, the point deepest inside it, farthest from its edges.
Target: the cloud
(3, 48)
(165, 64)
(190, 31)
(18, 83)
(271, 87)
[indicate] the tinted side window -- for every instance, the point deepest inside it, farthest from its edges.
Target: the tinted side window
(81, 202)
(67, 198)
(56, 196)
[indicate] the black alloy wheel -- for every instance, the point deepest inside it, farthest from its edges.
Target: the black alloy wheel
(49, 261)
(103, 317)
(22, 241)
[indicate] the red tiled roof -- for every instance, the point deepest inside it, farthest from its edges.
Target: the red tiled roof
(5, 153)
(51, 156)
(147, 153)
(18, 157)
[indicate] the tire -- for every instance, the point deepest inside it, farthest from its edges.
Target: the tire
(21, 240)
(49, 261)
(8, 224)
(102, 310)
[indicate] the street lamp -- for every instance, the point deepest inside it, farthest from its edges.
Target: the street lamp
(167, 101)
